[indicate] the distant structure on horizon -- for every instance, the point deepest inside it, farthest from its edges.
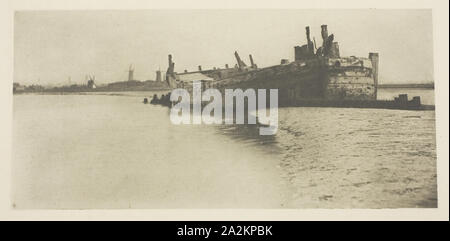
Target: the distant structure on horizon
(131, 73)
(158, 75)
(318, 75)
(91, 82)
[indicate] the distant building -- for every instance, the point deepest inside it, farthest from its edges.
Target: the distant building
(158, 75)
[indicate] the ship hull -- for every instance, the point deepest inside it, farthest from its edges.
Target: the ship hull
(319, 79)
(317, 82)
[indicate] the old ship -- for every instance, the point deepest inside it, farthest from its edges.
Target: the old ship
(318, 76)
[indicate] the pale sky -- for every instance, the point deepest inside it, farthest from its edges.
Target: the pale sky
(51, 46)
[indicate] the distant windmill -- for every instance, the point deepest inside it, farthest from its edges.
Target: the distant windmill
(91, 82)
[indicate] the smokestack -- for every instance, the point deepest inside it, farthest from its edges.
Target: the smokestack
(171, 64)
(310, 44)
(158, 75)
(240, 63)
(226, 66)
(324, 32)
(171, 68)
(170, 60)
(199, 68)
(130, 73)
(308, 38)
(374, 58)
(252, 64)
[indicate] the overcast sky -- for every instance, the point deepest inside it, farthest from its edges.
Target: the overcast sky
(52, 46)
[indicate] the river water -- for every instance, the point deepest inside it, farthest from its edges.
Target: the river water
(109, 150)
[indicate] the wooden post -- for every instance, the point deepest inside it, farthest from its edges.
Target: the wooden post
(374, 58)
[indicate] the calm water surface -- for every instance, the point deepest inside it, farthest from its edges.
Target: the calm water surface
(112, 151)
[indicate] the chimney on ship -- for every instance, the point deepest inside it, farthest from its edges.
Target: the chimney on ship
(199, 68)
(170, 73)
(171, 68)
(324, 32)
(374, 58)
(240, 63)
(170, 60)
(308, 38)
(310, 44)
(253, 65)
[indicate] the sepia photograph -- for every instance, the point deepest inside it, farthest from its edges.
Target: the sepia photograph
(92, 105)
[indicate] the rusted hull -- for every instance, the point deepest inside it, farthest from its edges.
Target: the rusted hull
(316, 79)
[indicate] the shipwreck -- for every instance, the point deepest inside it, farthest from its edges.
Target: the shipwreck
(318, 76)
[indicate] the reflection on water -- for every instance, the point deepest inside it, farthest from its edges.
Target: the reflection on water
(244, 133)
(109, 151)
(358, 157)
(345, 158)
